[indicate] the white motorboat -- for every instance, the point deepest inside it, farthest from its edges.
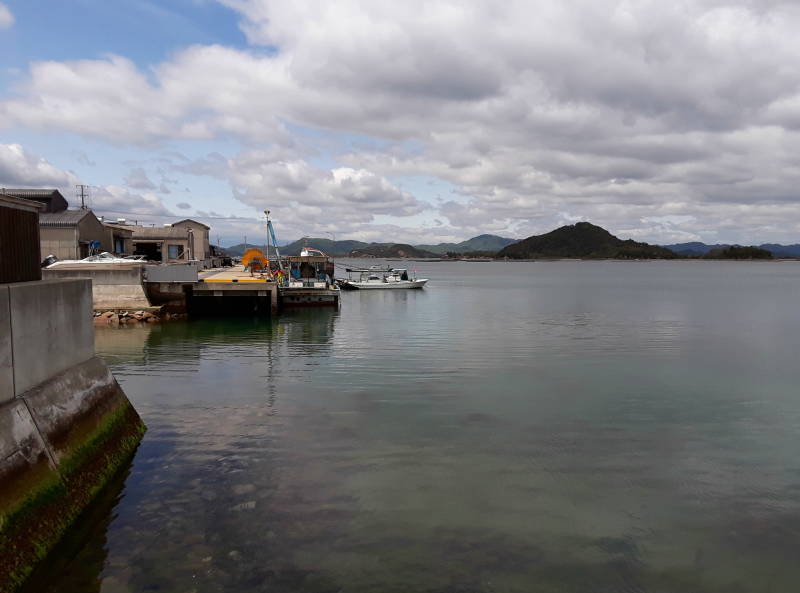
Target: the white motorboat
(377, 279)
(100, 258)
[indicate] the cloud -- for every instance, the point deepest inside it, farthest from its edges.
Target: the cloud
(138, 179)
(19, 168)
(309, 199)
(183, 205)
(537, 113)
(6, 17)
(116, 200)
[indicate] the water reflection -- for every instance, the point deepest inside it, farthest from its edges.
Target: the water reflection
(554, 428)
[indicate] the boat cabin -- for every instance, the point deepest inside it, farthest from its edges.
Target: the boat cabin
(309, 271)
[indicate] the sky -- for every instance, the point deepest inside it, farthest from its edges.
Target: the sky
(420, 121)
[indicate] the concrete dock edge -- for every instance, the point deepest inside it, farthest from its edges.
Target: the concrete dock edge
(66, 426)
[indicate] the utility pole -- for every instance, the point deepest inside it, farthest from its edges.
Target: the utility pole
(82, 193)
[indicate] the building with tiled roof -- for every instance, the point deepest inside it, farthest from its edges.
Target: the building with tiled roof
(51, 199)
(72, 234)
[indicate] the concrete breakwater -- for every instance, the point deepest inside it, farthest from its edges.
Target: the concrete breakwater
(66, 426)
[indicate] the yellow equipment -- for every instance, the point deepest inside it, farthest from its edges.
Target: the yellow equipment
(255, 260)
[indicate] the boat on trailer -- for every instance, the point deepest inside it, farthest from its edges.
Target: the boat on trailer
(381, 279)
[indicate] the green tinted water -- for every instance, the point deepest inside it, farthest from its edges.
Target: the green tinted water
(575, 427)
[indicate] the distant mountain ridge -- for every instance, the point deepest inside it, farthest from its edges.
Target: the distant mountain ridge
(293, 248)
(480, 243)
(696, 248)
(392, 250)
(583, 240)
(487, 244)
(345, 247)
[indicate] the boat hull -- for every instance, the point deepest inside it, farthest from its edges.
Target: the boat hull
(402, 284)
(308, 297)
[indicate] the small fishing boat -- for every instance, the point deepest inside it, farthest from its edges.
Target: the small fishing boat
(101, 258)
(381, 279)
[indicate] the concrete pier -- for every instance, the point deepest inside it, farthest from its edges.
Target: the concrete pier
(230, 291)
(234, 291)
(66, 427)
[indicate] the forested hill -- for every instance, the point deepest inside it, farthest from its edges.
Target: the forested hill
(479, 243)
(583, 240)
(391, 250)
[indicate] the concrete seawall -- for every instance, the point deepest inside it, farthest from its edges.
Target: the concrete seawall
(114, 286)
(66, 427)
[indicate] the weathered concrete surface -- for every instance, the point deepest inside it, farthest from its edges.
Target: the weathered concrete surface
(24, 460)
(235, 293)
(67, 427)
(187, 272)
(169, 295)
(6, 370)
(51, 328)
(114, 286)
(74, 404)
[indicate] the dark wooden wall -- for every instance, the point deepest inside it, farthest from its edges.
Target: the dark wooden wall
(19, 245)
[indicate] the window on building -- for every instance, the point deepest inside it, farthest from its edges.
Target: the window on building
(175, 251)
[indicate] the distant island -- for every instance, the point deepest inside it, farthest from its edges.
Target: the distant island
(737, 252)
(585, 241)
(582, 240)
(697, 249)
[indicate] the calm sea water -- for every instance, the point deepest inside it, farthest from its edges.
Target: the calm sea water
(515, 427)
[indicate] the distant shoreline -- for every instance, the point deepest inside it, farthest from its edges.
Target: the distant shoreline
(574, 259)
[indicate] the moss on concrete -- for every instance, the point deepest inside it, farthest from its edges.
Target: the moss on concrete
(36, 524)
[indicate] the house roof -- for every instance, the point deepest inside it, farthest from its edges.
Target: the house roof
(19, 203)
(192, 221)
(51, 198)
(31, 193)
(65, 218)
(117, 227)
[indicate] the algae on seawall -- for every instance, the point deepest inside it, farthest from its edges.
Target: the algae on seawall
(81, 454)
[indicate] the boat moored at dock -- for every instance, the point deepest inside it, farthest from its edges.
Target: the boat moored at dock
(381, 279)
(307, 280)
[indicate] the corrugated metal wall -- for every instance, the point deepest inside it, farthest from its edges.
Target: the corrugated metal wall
(19, 245)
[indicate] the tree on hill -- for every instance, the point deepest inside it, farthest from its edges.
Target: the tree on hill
(739, 252)
(583, 240)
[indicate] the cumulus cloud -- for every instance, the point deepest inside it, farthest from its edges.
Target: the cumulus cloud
(616, 111)
(183, 205)
(19, 168)
(309, 199)
(6, 17)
